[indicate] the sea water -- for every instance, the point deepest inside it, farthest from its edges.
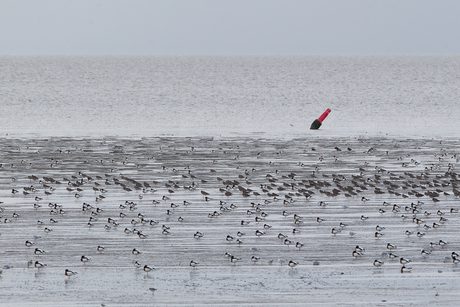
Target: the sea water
(229, 95)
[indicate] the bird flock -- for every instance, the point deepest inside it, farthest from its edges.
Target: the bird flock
(152, 204)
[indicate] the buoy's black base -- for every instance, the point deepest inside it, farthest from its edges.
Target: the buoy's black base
(315, 125)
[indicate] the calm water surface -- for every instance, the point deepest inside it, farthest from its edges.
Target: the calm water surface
(207, 95)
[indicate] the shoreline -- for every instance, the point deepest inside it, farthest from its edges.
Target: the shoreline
(325, 133)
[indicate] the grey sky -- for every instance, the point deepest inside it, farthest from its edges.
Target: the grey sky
(228, 27)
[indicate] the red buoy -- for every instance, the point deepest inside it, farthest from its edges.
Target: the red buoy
(318, 122)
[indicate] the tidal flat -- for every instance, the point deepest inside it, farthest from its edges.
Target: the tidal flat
(268, 221)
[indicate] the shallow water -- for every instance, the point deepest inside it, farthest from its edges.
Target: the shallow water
(212, 96)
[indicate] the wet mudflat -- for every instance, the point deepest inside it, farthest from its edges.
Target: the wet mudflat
(268, 221)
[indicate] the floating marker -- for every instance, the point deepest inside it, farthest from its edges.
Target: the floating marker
(318, 122)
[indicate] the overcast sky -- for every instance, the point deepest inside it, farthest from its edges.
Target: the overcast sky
(228, 27)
